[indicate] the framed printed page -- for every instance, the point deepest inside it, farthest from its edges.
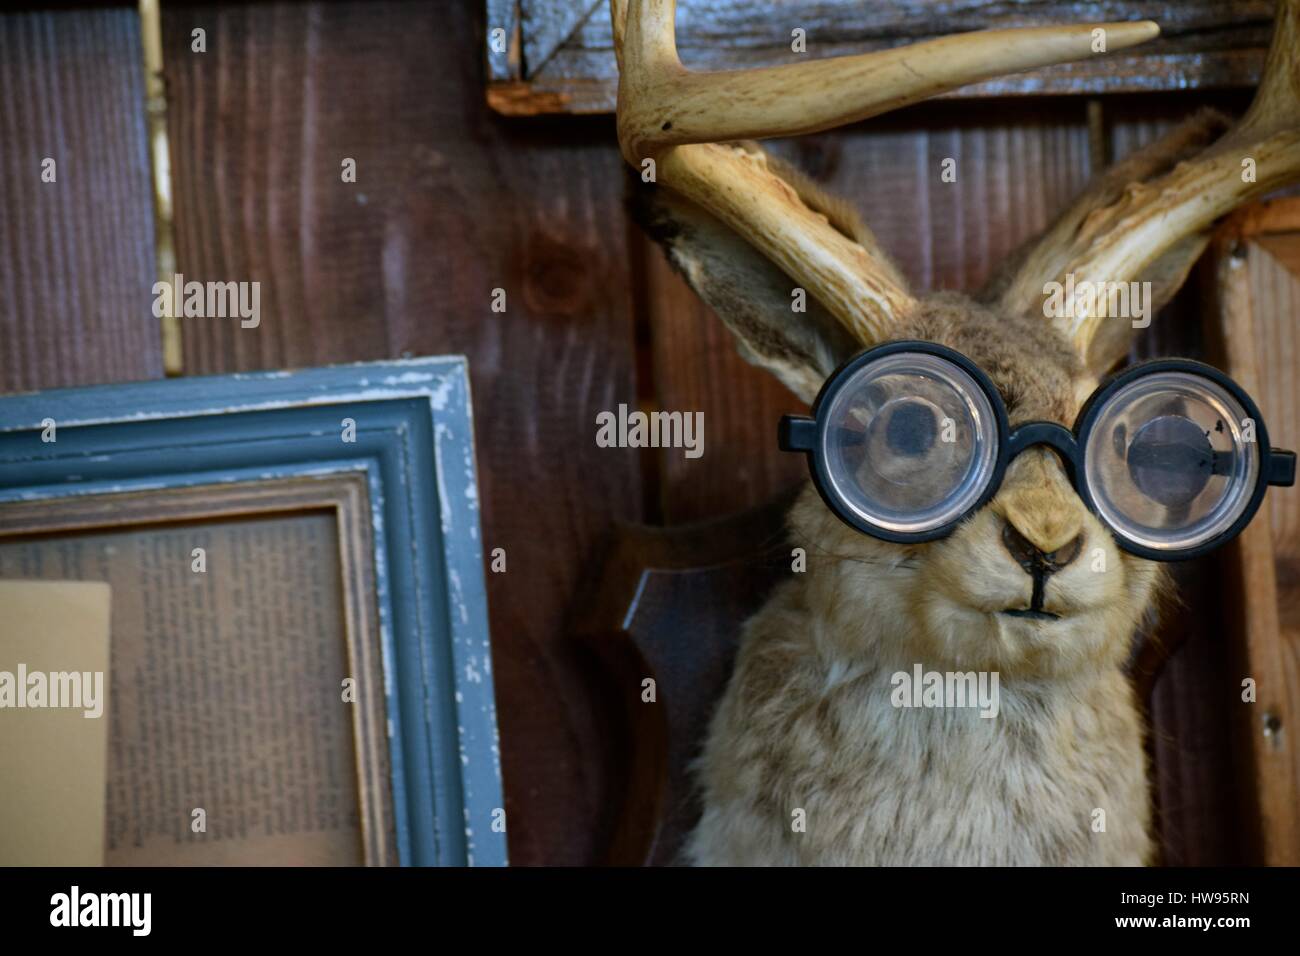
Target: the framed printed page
(299, 667)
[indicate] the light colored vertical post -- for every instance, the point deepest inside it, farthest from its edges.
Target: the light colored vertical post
(155, 92)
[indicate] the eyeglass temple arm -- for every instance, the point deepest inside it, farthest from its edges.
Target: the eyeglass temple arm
(796, 433)
(1281, 467)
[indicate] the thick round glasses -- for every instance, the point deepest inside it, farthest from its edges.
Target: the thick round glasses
(909, 438)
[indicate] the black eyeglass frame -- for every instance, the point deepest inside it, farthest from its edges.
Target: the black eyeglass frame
(807, 434)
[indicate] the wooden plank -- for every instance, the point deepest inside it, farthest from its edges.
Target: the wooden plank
(1205, 44)
(449, 204)
(548, 24)
(1275, 301)
(1257, 267)
(505, 59)
(76, 255)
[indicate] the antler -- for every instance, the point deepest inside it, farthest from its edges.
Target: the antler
(667, 114)
(1158, 224)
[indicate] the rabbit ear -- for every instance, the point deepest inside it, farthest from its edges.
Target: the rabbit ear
(756, 300)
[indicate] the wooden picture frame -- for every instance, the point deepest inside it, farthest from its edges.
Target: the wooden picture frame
(386, 450)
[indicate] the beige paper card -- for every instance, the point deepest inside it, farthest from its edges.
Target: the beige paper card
(53, 758)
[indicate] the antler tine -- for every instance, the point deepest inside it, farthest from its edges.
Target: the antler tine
(1276, 106)
(662, 104)
(618, 20)
(1161, 224)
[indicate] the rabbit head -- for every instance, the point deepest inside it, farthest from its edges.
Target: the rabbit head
(808, 720)
(978, 599)
(747, 230)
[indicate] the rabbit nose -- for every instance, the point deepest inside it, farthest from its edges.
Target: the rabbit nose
(1033, 559)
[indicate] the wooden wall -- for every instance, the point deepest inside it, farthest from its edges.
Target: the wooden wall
(451, 202)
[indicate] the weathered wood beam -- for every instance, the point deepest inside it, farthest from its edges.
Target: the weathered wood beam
(1205, 44)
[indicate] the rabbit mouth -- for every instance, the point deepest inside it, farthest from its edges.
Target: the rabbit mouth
(1033, 614)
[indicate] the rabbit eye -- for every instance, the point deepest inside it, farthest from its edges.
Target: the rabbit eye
(1170, 460)
(911, 429)
(1166, 465)
(889, 450)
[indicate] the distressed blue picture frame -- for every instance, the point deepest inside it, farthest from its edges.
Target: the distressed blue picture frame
(413, 431)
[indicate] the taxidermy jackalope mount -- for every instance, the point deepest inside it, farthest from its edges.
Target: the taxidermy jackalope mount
(809, 758)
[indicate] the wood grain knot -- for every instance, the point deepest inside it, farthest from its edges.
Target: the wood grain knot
(558, 277)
